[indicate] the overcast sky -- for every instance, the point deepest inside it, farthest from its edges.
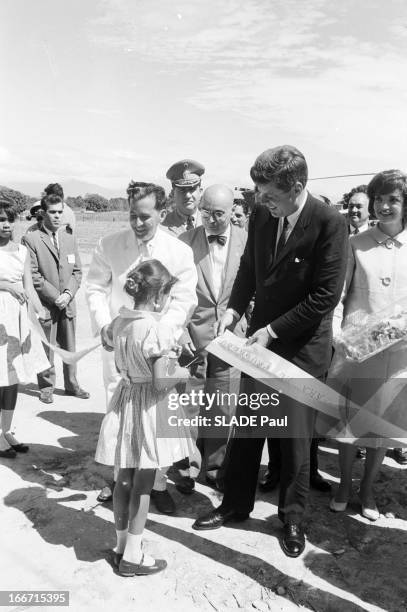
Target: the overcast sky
(108, 90)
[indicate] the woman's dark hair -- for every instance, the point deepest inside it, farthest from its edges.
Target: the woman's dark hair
(49, 200)
(7, 208)
(283, 166)
(138, 190)
(385, 182)
(148, 280)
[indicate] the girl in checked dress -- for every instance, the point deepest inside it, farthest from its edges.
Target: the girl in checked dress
(145, 360)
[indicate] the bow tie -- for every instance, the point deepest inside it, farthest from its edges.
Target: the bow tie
(219, 239)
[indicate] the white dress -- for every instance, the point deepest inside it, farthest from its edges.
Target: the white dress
(134, 429)
(21, 352)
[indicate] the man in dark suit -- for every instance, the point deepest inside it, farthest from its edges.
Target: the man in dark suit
(56, 273)
(295, 260)
(217, 246)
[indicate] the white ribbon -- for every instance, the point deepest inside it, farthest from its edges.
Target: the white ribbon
(273, 370)
(66, 356)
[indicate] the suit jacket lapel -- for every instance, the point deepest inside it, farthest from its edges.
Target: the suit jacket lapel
(267, 239)
(232, 262)
(205, 262)
(46, 238)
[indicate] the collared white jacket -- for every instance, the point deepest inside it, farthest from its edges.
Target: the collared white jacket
(116, 254)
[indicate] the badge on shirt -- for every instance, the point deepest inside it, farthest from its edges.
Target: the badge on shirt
(71, 258)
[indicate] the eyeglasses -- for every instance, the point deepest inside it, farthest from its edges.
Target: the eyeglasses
(216, 214)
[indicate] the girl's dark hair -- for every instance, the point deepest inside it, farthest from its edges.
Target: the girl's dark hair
(385, 182)
(148, 280)
(7, 207)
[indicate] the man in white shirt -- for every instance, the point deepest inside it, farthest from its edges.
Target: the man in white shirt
(118, 253)
(217, 246)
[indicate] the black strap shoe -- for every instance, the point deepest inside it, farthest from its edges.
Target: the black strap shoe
(218, 517)
(293, 542)
(129, 570)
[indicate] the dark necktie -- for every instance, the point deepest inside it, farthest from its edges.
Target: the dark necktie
(219, 239)
(54, 240)
(283, 238)
(356, 231)
(190, 222)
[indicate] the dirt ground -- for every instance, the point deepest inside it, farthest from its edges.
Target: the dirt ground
(56, 536)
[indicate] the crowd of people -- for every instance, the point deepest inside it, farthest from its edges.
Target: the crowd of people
(288, 275)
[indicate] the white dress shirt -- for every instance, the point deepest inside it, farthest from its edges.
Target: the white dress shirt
(291, 219)
(50, 234)
(361, 229)
(218, 256)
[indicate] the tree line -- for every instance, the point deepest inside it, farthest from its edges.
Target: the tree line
(91, 201)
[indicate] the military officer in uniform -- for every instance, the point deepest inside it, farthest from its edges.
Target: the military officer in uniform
(185, 176)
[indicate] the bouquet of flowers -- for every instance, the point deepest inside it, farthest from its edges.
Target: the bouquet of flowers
(368, 335)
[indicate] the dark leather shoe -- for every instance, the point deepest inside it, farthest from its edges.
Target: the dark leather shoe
(20, 448)
(129, 570)
(9, 453)
(270, 481)
(80, 393)
(218, 517)
(46, 397)
(400, 455)
(185, 485)
(105, 495)
(163, 501)
(293, 542)
(318, 483)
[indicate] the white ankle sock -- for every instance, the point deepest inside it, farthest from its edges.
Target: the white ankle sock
(121, 541)
(133, 551)
(4, 445)
(10, 438)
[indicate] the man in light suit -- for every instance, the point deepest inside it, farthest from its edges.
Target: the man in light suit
(295, 261)
(56, 272)
(118, 253)
(185, 177)
(217, 246)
